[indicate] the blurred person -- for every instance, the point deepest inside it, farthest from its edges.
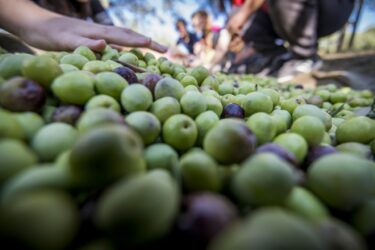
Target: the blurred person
(299, 23)
(47, 30)
(213, 41)
(186, 39)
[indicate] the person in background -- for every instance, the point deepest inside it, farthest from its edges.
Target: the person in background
(204, 29)
(186, 39)
(213, 41)
(299, 23)
(47, 30)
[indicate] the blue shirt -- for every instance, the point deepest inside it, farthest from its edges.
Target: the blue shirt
(188, 45)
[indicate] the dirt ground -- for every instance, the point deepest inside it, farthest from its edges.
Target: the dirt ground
(355, 70)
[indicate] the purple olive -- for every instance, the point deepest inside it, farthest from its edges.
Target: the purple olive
(20, 95)
(317, 152)
(233, 110)
(128, 74)
(150, 81)
(279, 151)
(204, 216)
(87, 210)
(67, 114)
(299, 86)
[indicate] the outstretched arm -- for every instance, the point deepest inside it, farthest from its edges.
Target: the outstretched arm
(50, 31)
(238, 19)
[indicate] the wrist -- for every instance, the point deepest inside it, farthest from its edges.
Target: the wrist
(22, 17)
(251, 6)
(246, 10)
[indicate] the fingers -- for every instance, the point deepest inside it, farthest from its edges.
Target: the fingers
(69, 42)
(132, 38)
(116, 47)
(154, 46)
(234, 30)
(158, 47)
(233, 27)
(95, 45)
(122, 37)
(115, 35)
(72, 42)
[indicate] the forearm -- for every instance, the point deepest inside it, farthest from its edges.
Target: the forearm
(250, 6)
(17, 16)
(50, 31)
(221, 47)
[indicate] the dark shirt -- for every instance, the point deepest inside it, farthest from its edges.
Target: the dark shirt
(188, 45)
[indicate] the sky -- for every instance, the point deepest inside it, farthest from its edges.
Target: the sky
(159, 23)
(367, 20)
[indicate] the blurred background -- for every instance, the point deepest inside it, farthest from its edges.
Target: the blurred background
(156, 18)
(348, 55)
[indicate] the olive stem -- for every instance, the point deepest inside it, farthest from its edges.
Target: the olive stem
(333, 114)
(371, 113)
(132, 67)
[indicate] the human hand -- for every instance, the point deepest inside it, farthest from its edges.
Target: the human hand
(65, 33)
(237, 20)
(50, 31)
(236, 44)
